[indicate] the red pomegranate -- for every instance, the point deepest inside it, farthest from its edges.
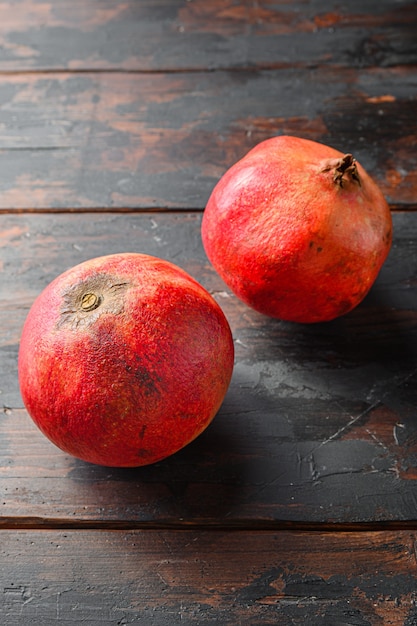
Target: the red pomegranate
(124, 359)
(297, 230)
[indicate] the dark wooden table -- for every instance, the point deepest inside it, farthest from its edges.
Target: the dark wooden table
(298, 505)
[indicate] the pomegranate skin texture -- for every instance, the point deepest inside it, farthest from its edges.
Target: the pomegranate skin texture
(297, 230)
(124, 360)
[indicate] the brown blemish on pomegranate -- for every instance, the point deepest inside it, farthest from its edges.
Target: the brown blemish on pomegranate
(86, 301)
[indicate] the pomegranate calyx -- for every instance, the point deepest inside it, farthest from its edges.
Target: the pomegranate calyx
(344, 170)
(90, 301)
(86, 301)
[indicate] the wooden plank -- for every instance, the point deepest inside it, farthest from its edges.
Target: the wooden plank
(170, 35)
(76, 141)
(318, 425)
(171, 578)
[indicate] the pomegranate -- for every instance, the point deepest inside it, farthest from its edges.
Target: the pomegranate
(297, 230)
(124, 359)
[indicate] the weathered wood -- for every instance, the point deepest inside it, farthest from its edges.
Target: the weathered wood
(162, 578)
(110, 106)
(172, 35)
(318, 424)
(76, 141)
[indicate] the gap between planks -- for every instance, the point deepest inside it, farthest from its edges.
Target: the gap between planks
(395, 208)
(132, 210)
(257, 67)
(246, 69)
(38, 523)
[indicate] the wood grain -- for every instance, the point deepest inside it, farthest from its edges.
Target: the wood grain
(171, 35)
(162, 578)
(318, 424)
(298, 505)
(133, 141)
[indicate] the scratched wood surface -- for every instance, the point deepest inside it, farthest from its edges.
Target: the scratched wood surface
(188, 577)
(318, 424)
(298, 504)
(117, 140)
(155, 35)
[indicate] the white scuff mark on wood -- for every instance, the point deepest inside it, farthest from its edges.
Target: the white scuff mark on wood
(394, 432)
